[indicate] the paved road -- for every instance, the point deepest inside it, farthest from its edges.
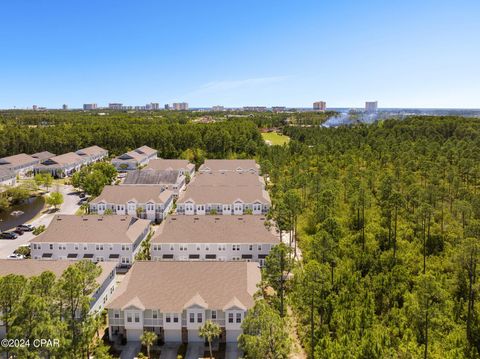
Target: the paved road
(169, 351)
(69, 206)
(194, 350)
(232, 351)
(130, 350)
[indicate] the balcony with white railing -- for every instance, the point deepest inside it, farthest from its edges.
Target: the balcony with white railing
(153, 322)
(220, 322)
(116, 321)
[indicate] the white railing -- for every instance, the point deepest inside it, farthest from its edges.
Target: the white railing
(113, 321)
(151, 322)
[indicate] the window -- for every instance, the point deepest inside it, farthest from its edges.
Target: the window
(129, 318)
(198, 247)
(214, 314)
(125, 247)
(171, 247)
(235, 258)
(183, 247)
(99, 247)
(259, 247)
(199, 317)
(51, 246)
(154, 314)
(250, 247)
(167, 318)
(75, 246)
(221, 247)
(236, 247)
(116, 315)
(137, 318)
(175, 318)
(239, 317)
(207, 247)
(85, 247)
(192, 317)
(230, 317)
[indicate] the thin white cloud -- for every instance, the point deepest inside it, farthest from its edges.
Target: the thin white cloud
(227, 85)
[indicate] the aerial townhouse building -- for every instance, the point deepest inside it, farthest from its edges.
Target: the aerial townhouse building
(21, 164)
(68, 163)
(7, 178)
(224, 193)
(132, 160)
(94, 237)
(92, 154)
(30, 267)
(166, 180)
(141, 201)
(62, 165)
(174, 299)
(43, 156)
(214, 238)
(230, 166)
(183, 166)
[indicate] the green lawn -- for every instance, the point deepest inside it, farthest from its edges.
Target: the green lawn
(273, 138)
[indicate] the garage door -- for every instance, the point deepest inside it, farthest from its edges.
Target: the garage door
(133, 335)
(173, 336)
(193, 336)
(232, 335)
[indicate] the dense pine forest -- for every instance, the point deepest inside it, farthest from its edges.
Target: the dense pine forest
(386, 218)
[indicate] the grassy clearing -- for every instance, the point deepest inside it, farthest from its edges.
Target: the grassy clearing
(274, 138)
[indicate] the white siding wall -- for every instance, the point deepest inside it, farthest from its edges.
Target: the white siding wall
(225, 251)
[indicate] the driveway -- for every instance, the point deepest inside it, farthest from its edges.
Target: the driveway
(232, 351)
(69, 206)
(169, 351)
(194, 350)
(130, 350)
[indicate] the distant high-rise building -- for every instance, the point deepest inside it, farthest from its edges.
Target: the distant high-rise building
(115, 106)
(34, 107)
(155, 106)
(278, 109)
(218, 108)
(167, 106)
(64, 107)
(255, 108)
(180, 106)
(320, 106)
(371, 106)
(89, 106)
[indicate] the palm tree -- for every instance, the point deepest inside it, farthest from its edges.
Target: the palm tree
(210, 331)
(147, 339)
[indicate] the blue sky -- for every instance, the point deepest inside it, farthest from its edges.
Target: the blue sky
(403, 53)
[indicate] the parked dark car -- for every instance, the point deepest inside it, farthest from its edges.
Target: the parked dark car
(18, 231)
(8, 235)
(26, 227)
(82, 195)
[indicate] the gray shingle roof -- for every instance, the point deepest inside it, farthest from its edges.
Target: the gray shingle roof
(173, 286)
(138, 193)
(214, 229)
(92, 229)
(150, 176)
